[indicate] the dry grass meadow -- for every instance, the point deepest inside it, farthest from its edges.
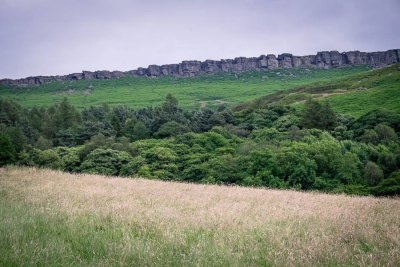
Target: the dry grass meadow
(60, 219)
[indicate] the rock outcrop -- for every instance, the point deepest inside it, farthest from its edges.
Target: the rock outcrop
(190, 68)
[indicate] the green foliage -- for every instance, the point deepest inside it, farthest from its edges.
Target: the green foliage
(105, 161)
(386, 134)
(373, 174)
(47, 159)
(389, 186)
(66, 116)
(134, 167)
(10, 112)
(303, 147)
(70, 158)
(295, 167)
(139, 131)
(317, 115)
(370, 136)
(171, 128)
(223, 169)
(7, 151)
(354, 95)
(43, 143)
(375, 117)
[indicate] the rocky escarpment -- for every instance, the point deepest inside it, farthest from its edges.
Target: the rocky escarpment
(327, 59)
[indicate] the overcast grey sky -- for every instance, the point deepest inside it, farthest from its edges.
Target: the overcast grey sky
(49, 37)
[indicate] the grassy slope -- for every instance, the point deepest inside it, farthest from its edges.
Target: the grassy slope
(191, 92)
(352, 95)
(54, 218)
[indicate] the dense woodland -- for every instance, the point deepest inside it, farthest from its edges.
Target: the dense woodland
(312, 148)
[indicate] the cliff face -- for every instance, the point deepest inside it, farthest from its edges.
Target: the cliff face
(192, 68)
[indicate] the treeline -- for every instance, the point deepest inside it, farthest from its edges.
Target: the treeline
(277, 146)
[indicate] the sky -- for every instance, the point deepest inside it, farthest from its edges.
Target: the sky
(57, 37)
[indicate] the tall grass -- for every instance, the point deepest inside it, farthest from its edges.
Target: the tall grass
(53, 218)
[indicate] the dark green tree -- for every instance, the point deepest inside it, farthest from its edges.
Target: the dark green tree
(170, 104)
(139, 131)
(171, 128)
(7, 151)
(385, 133)
(66, 116)
(317, 115)
(105, 161)
(373, 174)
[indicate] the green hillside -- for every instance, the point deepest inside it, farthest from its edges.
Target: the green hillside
(283, 140)
(352, 95)
(192, 93)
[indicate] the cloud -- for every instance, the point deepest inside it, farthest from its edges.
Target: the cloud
(44, 37)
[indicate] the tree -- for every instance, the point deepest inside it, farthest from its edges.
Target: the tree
(133, 166)
(139, 131)
(66, 115)
(48, 159)
(375, 117)
(317, 115)
(373, 174)
(65, 137)
(70, 158)
(43, 143)
(105, 161)
(389, 186)
(369, 136)
(10, 112)
(161, 162)
(296, 167)
(17, 137)
(170, 104)
(171, 128)
(328, 116)
(223, 169)
(7, 151)
(385, 133)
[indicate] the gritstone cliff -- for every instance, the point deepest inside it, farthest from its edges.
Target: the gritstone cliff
(326, 59)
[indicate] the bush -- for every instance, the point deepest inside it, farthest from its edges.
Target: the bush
(133, 166)
(385, 133)
(389, 186)
(105, 161)
(373, 174)
(70, 158)
(48, 159)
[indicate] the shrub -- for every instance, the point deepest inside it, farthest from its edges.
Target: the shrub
(105, 161)
(373, 174)
(48, 159)
(389, 186)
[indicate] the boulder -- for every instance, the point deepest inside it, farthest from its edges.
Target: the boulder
(272, 62)
(154, 71)
(189, 68)
(211, 66)
(285, 61)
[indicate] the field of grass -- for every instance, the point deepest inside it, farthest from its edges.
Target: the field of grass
(352, 95)
(54, 218)
(192, 93)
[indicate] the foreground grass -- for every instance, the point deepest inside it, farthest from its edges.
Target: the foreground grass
(54, 218)
(192, 93)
